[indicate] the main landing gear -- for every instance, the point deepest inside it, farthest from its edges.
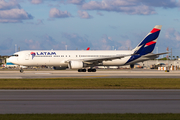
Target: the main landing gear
(81, 70)
(84, 70)
(91, 70)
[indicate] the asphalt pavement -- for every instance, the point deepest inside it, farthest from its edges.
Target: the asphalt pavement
(89, 101)
(99, 74)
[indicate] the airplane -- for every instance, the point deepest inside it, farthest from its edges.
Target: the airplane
(82, 59)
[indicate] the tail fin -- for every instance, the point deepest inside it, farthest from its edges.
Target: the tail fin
(148, 43)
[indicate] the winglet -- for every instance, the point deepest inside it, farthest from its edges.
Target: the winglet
(88, 48)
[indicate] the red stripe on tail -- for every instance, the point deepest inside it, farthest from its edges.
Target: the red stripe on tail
(154, 30)
(150, 43)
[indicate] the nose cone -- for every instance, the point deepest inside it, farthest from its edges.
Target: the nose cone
(12, 60)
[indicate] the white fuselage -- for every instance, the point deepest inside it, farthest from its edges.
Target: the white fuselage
(59, 57)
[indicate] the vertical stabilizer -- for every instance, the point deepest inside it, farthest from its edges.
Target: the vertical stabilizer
(148, 43)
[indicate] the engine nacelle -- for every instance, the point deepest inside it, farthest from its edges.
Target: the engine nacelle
(76, 64)
(59, 68)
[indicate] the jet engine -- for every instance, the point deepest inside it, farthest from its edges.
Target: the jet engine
(76, 65)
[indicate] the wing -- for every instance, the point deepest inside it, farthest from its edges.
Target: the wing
(155, 55)
(100, 59)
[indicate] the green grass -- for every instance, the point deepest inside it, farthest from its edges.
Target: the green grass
(90, 117)
(91, 83)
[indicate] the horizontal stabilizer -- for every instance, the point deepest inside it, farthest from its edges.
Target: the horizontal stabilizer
(153, 55)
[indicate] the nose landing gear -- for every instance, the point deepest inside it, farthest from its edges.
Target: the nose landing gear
(21, 70)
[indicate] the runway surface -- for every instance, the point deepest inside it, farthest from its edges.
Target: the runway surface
(89, 101)
(99, 74)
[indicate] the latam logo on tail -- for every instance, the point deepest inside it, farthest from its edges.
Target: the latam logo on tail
(43, 53)
(155, 33)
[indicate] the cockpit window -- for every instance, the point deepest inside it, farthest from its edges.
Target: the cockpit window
(16, 55)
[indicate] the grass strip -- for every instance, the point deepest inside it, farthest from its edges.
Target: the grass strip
(91, 83)
(89, 116)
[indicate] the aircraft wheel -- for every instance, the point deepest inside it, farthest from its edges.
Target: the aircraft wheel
(21, 70)
(93, 70)
(81, 70)
(131, 66)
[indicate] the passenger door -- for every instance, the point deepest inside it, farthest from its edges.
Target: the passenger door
(27, 57)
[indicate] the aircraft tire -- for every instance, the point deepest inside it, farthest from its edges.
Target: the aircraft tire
(131, 66)
(81, 70)
(21, 70)
(93, 70)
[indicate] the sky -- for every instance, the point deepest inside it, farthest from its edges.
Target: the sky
(78, 24)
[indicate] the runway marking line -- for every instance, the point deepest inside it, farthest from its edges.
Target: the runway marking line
(114, 99)
(81, 76)
(10, 77)
(95, 76)
(42, 73)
